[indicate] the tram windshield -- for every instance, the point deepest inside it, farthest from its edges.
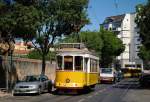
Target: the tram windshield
(78, 63)
(68, 63)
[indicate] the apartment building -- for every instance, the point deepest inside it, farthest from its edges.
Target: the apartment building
(125, 27)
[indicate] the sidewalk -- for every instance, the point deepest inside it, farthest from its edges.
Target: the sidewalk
(3, 94)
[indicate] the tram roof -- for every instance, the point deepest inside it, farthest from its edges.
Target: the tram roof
(74, 48)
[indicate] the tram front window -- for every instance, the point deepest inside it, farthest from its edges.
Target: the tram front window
(68, 63)
(78, 63)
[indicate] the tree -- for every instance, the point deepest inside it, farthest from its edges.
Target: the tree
(144, 54)
(112, 47)
(7, 23)
(42, 21)
(142, 20)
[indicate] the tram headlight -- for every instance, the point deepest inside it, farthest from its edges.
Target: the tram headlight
(67, 80)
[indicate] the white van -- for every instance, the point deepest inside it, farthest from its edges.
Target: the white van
(107, 75)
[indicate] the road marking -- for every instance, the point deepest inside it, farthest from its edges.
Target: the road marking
(81, 100)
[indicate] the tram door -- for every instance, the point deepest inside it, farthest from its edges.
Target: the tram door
(86, 69)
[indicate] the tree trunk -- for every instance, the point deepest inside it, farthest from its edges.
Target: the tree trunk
(43, 65)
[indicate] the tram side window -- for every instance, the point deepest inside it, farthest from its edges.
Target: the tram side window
(93, 65)
(59, 62)
(68, 63)
(86, 64)
(78, 63)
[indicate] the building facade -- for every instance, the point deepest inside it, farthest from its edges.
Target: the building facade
(21, 48)
(125, 28)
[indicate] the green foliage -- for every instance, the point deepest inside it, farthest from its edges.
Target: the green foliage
(92, 40)
(36, 55)
(144, 53)
(7, 20)
(112, 47)
(142, 20)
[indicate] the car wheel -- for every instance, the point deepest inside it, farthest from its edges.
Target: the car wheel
(114, 81)
(39, 91)
(50, 87)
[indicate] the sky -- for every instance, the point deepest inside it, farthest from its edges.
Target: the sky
(98, 10)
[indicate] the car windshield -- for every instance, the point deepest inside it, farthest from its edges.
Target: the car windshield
(106, 70)
(31, 78)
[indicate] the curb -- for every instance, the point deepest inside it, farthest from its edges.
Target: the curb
(4, 94)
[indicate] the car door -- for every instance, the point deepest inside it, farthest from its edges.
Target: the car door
(44, 82)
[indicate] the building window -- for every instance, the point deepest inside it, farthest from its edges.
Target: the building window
(138, 39)
(138, 47)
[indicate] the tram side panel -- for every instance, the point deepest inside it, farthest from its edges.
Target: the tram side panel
(92, 78)
(92, 72)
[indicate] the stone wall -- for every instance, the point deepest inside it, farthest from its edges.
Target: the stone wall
(33, 67)
(21, 67)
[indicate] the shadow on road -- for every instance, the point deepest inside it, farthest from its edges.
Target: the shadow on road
(72, 92)
(26, 95)
(128, 84)
(131, 83)
(30, 94)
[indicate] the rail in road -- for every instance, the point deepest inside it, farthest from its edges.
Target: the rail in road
(101, 93)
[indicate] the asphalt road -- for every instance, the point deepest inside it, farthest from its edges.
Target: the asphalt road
(124, 91)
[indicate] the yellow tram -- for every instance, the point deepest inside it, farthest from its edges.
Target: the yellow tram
(77, 67)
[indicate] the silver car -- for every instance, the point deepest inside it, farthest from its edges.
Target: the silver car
(33, 84)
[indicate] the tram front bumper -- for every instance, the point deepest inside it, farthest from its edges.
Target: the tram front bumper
(69, 85)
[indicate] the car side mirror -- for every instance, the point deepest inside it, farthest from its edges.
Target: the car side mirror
(43, 80)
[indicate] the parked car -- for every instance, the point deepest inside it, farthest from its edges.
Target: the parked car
(33, 84)
(108, 75)
(119, 75)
